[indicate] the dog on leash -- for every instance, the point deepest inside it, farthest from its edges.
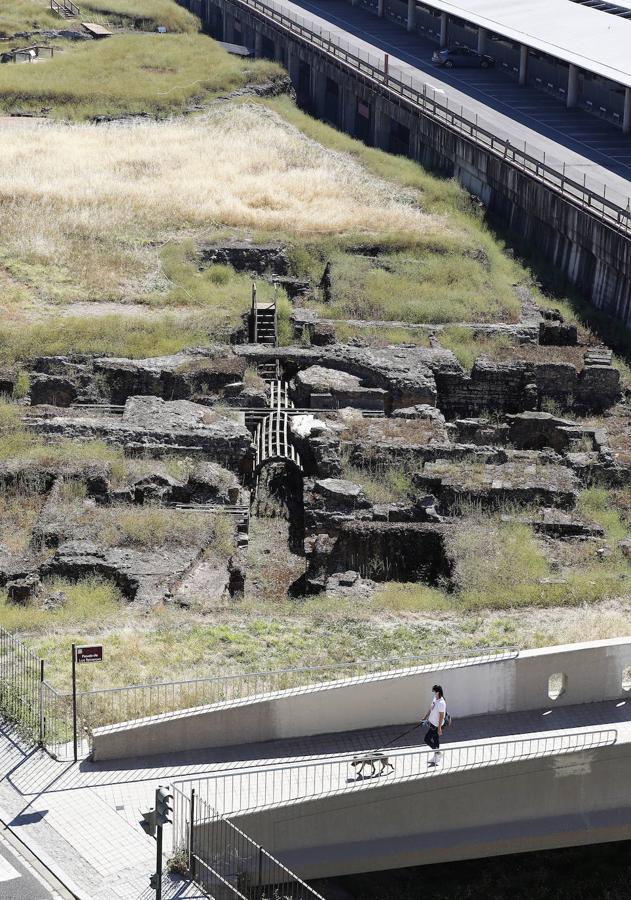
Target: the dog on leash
(372, 758)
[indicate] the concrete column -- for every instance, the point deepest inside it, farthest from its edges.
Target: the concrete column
(482, 36)
(381, 125)
(348, 105)
(318, 91)
(411, 14)
(258, 44)
(444, 28)
(380, 8)
(293, 64)
(626, 118)
(228, 28)
(572, 86)
(523, 64)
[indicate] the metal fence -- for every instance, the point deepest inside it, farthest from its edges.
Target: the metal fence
(247, 789)
(606, 204)
(21, 677)
(224, 861)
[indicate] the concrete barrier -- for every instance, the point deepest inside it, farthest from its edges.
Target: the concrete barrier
(585, 672)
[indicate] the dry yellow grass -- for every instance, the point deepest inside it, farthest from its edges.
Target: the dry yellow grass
(92, 227)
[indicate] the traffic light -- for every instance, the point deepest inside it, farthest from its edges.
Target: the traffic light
(163, 810)
(148, 823)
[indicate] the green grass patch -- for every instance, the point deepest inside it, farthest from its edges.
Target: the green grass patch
(383, 484)
(90, 600)
(125, 74)
(429, 278)
(146, 15)
(467, 345)
(136, 337)
(382, 337)
(27, 15)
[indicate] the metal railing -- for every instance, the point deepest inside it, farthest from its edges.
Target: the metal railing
(224, 861)
(112, 706)
(238, 791)
(21, 678)
(615, 212)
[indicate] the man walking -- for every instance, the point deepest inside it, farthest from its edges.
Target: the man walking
(435, 717)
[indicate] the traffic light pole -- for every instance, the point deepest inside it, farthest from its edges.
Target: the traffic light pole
(159, 863)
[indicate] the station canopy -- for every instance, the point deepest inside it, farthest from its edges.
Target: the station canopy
(592, 36)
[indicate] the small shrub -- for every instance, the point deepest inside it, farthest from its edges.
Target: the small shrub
(284, 310)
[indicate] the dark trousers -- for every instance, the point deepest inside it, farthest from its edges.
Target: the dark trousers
(432, 738)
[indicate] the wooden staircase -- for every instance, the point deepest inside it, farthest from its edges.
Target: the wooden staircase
(65, 8)
(264, 330)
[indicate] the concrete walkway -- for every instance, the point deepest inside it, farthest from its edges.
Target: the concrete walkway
(86, 816)
(588, 146)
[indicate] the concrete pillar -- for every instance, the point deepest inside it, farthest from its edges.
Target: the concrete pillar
(318, 91)
(626, 118)
(444, 28)
(572, 86)
(293, 64)
(258, 44)
(380, 8)
(411, 14)
(482, 36)
(523, 64)
(381, 132)
(348, 105)
(228, 28)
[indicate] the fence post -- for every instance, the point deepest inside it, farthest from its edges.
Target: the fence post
(191, 856)
(74, 701)
(42, 737)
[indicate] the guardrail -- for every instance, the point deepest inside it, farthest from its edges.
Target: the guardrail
(419, 95)
(242, 790)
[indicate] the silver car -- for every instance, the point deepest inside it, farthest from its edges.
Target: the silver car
(450, 57)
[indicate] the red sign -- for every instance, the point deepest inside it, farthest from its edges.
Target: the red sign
(90, 654)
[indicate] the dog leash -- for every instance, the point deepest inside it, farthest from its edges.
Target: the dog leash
(403, 734)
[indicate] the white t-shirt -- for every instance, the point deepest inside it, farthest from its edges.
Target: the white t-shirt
(438, 706)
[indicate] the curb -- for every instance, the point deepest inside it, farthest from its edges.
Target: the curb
(47, 861)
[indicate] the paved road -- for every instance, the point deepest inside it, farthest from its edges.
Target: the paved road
(18, 879)
(586, 144)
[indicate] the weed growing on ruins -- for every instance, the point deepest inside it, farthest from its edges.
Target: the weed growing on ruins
(381, 483)
(129, 74)
(418, 286)
(467, 345)
(218, 288)
(284, 310)
(90, 600)
(133, 336)
(20, 507)
(382, 336)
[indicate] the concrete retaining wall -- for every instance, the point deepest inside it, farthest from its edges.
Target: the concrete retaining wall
(592, 672)
(594, 257)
